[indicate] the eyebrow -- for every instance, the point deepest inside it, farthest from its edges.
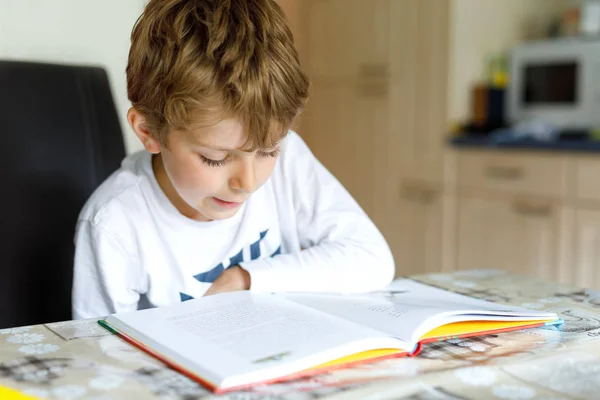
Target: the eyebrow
(233, 150)
(220, 148)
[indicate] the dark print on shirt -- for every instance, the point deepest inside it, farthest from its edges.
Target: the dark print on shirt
(212, 274)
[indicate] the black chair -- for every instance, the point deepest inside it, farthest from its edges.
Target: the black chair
(59, 139)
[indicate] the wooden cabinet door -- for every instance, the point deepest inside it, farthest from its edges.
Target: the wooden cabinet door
(585, 266)
(513, 235)
(348, 38)
(346, 127)
(414, 231)
(419, 60)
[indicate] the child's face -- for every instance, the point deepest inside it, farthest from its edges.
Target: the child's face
(208, 174)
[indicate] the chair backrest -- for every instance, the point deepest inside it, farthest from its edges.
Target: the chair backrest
(59, 139)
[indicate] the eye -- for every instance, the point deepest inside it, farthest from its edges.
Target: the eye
(273, 153)
(213, 163)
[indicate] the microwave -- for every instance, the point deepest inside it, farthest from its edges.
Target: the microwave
(555, 82)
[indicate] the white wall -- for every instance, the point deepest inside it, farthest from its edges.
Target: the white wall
(75, 32)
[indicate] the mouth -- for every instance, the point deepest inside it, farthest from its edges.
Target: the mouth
(227, 204)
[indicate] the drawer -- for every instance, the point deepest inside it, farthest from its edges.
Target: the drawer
(534, 173)
(587, 178)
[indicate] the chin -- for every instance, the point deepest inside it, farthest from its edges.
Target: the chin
(215, 215)
(223, 216)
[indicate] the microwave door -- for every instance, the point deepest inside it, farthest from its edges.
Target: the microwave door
(550, 84)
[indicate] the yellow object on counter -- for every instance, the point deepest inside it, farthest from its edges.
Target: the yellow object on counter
(11, 394)
(595, 134)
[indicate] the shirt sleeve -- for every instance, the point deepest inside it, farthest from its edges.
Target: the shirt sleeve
(105, 278)
(343, 249)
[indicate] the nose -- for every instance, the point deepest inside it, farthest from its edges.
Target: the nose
(244, 178)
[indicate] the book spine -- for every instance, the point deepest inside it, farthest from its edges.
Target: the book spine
(161, 358)
(415, 352)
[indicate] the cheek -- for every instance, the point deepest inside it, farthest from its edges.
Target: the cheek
(264, 169)
(191, 178)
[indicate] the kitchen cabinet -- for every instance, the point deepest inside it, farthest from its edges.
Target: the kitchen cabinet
(377, 115)
(512, 234)
(584, 268)
(352, 119)
(417, 236)
(514, 172)
(348, 38)
(419, 61)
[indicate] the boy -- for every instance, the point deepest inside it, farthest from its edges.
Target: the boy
(224, 197)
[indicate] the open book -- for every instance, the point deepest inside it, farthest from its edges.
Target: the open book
(234, 340)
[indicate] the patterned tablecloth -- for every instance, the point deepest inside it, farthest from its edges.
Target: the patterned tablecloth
(80, 360)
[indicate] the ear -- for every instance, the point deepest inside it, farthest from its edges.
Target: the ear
(138, 123)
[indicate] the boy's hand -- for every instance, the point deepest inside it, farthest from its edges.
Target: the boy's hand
(232, 279)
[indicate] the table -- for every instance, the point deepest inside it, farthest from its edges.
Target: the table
(80, 360)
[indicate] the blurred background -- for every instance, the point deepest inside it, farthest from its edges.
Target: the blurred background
(467, 129)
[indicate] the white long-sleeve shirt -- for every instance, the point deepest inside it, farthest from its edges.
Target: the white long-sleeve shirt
(301, 231)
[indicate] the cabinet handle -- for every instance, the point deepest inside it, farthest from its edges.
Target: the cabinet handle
(373, 90)
(419, 194)
(372, 71)
(533, 210)
(427, 196)
(504, 173)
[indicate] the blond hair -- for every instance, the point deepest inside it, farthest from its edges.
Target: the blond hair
(196, 62)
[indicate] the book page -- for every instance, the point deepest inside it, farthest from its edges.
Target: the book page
(237, 333)
(408, 309)
(233, 326)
